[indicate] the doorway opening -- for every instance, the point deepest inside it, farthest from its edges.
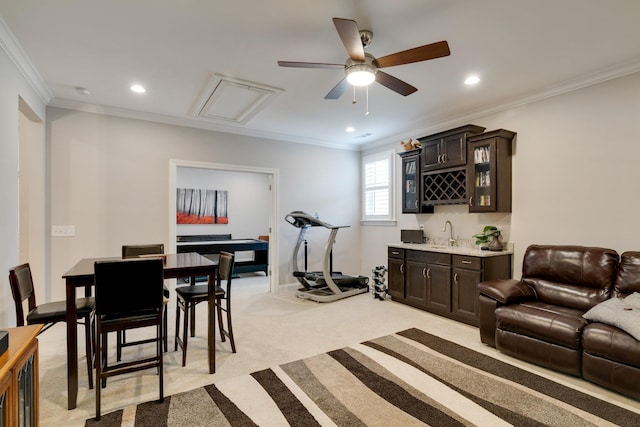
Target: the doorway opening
(185, 172)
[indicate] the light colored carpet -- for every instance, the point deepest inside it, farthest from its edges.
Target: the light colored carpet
(411, 378)
(271, 330)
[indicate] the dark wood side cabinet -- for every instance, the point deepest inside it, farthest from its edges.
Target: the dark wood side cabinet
(447, 149)
(489, 171)
(19, 378)
(443, 283)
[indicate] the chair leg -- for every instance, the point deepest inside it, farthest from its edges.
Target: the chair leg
(121, 339)
(185, 333)
(165, 325)
(98, 342)
(220, 324)
(103, 359)
(177, 335)
(230, 327)
(88, 337)
(161, 361)
(193, 319)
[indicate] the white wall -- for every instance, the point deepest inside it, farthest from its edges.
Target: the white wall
(249, 201)
(13, 86)
(575, 176)
(110, 178)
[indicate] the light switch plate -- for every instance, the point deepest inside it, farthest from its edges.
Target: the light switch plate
(63, 230)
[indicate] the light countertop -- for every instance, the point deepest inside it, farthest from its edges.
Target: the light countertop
(454, 250)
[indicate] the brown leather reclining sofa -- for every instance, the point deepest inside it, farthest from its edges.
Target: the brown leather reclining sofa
(539, 318)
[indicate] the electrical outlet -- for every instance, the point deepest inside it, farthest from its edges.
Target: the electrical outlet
(63, 230)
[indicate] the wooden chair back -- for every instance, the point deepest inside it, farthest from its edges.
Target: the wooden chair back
(132, 251)
(126, 287)
(21, 283)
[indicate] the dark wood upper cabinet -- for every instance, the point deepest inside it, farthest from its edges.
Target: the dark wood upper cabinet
(489, 171)
(447, 149)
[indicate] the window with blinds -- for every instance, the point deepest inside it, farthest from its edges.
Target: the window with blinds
(378, 187)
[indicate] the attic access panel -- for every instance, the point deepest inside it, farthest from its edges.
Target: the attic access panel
(230, 100)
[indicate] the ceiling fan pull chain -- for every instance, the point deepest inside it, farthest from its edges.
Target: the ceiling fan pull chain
(367, 101)
(354, 96)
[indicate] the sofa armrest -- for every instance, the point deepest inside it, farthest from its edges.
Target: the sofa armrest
(494, 293)
(507, 291)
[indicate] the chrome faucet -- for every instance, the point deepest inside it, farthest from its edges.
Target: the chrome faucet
(452, 241)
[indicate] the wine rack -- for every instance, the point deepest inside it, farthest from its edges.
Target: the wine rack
(445, 188)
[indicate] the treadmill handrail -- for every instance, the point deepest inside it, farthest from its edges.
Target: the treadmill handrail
(300, 219)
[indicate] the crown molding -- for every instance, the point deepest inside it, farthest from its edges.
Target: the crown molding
(457, 119)
(193, 122)
(12, 47)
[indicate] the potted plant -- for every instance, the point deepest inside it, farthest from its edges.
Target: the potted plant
(489, 238)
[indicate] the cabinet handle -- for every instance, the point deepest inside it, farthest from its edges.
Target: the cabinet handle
(402, 268)
(428, 273)
(416, 204)
(395, 253)
(471, 201)
(439, 158)
(424, 272)
(464, 261)
(444, 158)
(455, 278)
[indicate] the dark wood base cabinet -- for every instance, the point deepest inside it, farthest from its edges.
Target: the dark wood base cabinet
(443, 283)
(19, 378)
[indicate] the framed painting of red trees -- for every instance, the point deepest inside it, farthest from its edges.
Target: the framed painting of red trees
(195, 206)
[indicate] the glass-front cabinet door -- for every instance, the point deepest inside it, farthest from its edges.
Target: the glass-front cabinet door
(410, 184)
(489, 171)
(483, 193)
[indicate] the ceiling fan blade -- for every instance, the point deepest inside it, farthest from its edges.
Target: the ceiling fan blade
(350, 36)
(417, 54)
(338, 89)
(394, 83)
(308, 64)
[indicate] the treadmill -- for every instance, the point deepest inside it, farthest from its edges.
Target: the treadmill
(324, 286)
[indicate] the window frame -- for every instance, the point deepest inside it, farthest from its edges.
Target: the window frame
(390, 218)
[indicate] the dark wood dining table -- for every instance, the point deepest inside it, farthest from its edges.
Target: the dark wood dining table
(81, 275)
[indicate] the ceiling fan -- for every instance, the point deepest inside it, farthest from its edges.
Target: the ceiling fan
(362, 68)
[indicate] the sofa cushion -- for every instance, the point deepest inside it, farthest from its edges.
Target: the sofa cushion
(571, 276)
(628, 276)
(547, 322)
(611, 343)
(613, 312)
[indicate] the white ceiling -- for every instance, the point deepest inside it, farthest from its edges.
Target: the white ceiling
(521, 49)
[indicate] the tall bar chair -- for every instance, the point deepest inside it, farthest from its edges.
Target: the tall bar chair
(223, 300)
(120, 306)
(49, 313)
(189, 296)
(134, 251)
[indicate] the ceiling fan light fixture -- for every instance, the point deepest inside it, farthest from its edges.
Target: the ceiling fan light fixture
(361, 75)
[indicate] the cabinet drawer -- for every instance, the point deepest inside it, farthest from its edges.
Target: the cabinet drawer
(395, 253)
(470, 262)
(428, 257)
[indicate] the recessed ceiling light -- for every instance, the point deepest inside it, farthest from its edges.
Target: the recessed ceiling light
(471, 80)
(350, 129)
(138, 88)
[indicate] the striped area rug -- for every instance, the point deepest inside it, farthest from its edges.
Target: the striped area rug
(410, 378)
